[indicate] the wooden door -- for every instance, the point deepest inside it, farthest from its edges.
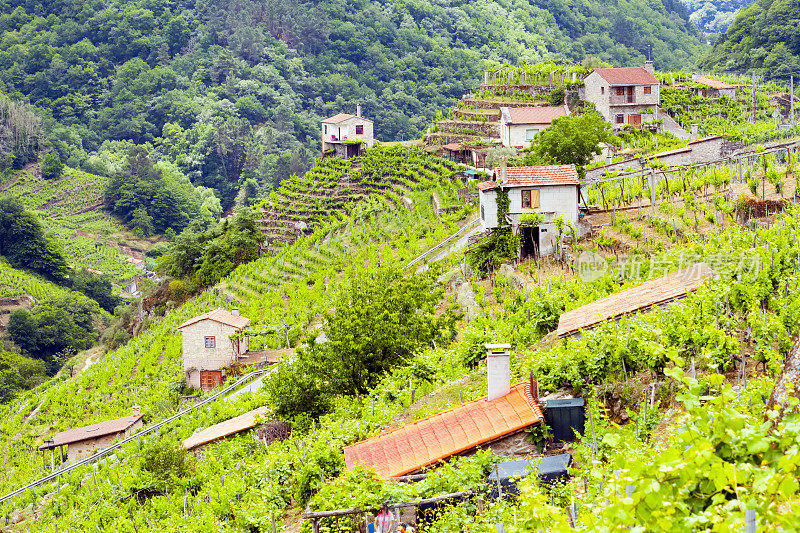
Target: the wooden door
(210, 379)
(635, 119)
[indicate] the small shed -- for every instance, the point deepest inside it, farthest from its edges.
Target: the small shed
(84, 441)
(565, 417)
(224, 429)
(711, 88)
(550, 469)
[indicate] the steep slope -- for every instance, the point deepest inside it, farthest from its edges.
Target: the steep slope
(226, 88)
(763, 37)
(712, 17)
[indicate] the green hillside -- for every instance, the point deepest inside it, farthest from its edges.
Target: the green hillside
(761, 38)
(71, 209)
(713, 17)
(231, 91)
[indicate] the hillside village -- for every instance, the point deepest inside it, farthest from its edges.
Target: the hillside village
(571, 305)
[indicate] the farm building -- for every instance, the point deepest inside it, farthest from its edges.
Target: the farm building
(643, 297)
(551, 191)
(710, 88)
(629, 95)
(497, 421)
(225, 429)
(519, 125)
(346, 135)
(85, 441)
(208, 346)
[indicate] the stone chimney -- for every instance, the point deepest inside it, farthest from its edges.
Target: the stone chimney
(358, 110)
(135, 410)
(648, 66)
(504, 172)
(235, 311)
(498, 370)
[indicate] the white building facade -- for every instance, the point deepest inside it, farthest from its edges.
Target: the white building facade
(630, 95)
(345, 135)
(519, 125)
(211, 344)
(551, 191)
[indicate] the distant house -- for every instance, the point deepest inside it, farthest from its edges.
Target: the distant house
(497, 422)
(208, 346)
(711, 88)
(652, 293)
(519, 125)
(345, 135)
(629, 95)
(83, 442)
(551, 191)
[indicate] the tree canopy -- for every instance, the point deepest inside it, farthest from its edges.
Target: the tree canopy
(24, 244)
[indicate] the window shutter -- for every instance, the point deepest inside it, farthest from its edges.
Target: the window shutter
(535, 198)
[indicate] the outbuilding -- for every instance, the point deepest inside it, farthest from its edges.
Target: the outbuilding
(520, 125)
(549, 191)
(711, 88)
(84, 441)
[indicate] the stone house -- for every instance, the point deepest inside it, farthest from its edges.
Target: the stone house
(519, 125)
(83, 442)
(211, 345)
(346, 135)
(711, 88)
(551, 191)
(629, 95)
(497, 421)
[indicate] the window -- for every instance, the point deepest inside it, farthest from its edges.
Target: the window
(326, 129)
(602, 90)
(359, 129)
(211, 342)
(530, 198)
(620, 119)
(620, 91)
(483, 214)
(648, 90)
(530, 134)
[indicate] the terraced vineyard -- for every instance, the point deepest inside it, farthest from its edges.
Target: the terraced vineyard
(333, 186)
(14, 282)
(72, 210)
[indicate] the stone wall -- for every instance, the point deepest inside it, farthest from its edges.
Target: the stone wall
(195, 354)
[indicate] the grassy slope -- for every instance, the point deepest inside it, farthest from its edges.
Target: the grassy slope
(71, 209)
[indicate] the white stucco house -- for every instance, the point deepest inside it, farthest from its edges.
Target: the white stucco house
(551, 191)
(346, 135)
(629, 95)
(519, 125)
(208, 349)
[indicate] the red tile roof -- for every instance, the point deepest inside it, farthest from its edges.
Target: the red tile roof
(453, 147)
(627, 76)
(100, 429)
(709, 82)
(341, 117)
(542, 175)
(427, 441)
(219, 315)
(535, 115)
(641, 297)
(485, 185)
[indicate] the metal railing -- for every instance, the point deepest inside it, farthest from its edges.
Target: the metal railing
(114, 447)
(445, 242)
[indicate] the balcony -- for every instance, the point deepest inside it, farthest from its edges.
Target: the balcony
(633, 99)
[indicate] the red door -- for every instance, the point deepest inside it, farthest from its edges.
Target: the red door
(210, 379)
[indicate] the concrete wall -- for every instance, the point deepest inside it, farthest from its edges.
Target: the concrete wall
(515, 135)
(83, 449)
(554, 200)
(488, 208)
(347, 128)
(197, 357)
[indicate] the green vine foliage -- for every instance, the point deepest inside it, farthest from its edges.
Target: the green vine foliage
(501, 245)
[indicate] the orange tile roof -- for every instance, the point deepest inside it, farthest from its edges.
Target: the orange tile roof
(542, 175)
(427, 441)
(485, 185)
(219, 315)
(535, 115)
(714, 84)
(652, 292)
(627, 76)
(93, 431)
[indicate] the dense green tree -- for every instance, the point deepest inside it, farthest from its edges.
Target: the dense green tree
(52, 167)
(571, 140)
(97, 287)
(19, 373)
(24, 244)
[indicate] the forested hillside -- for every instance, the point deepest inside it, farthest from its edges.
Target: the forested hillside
(763, 38)
(234, 90)
(714, 16)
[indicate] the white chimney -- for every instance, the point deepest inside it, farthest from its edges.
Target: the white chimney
(358, 110)
(498, 370)
(504, 173)
(135, 410)
(235, 311)
(648, 66)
